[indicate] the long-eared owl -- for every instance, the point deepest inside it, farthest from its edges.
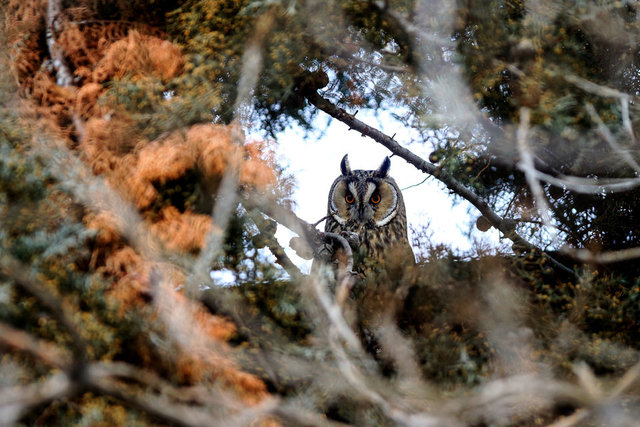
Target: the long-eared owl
(369, 204)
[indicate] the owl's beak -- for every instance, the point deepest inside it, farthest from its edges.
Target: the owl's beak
(365, 214)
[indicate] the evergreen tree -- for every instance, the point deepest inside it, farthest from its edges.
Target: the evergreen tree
(128, 189)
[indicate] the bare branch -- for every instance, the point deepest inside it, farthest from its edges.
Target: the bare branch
(267, 238)
(571, 420)
(594, 88)
(213, 409)
(607, 92)
(311, 237)
(610, 139)
(458, 188)
(16, 401)
(497, 401)
(588, 185)
(608, 257)
(19, 272)
(630, 378)
(527, 166)
(45, 351)
(334, 313)
(63, 74)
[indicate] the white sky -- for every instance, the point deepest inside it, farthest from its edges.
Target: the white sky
(314, 161)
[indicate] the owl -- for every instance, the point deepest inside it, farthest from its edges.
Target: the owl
(368, 204)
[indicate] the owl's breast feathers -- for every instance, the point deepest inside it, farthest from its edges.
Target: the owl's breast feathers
(377, 247)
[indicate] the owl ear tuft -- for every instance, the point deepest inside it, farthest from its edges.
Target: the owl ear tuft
(383, 170)
(344, 165)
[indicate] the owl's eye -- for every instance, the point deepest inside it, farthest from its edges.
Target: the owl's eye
(375, 198)
(349, 198)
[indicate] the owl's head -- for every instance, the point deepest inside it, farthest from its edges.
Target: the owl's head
(365, 197)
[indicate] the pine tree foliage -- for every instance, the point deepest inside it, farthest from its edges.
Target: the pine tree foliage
(140, 279)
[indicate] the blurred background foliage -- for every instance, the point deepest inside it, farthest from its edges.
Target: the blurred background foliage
(152, 113)
(516, 54)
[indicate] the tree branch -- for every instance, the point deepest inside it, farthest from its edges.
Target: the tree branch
(64, 77)
(16, 401)
(45, 351)
(527, 166)
(505, 227)
(17, 271)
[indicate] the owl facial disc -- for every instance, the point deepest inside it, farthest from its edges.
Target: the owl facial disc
(391, 213)
(364, 198)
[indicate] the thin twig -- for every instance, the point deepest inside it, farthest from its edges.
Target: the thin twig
(416, 185)
(588, 185)
(610, 139)
(607, 257)
(334, 314)
(527, 166)
(594, 88)
(628, 379)
(605, 91)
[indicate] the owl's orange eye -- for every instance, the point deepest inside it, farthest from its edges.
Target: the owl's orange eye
(349, 198)
(375, 199)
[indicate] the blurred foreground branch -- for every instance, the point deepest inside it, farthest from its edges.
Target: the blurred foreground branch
(14, 269)
(311, 243)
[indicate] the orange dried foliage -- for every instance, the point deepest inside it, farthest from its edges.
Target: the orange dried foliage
(80, 50)
(213, 145)
(52, 102)
(193, 368)
(255, 171)
(215, 148)
(246, 385)
(140, 56)
(160, 161)
(184, 232)
(105, 225)
(86, 102)
(132, 277)
(107, 141)
(27, 59)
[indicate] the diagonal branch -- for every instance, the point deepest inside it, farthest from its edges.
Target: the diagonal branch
(527, 166)
(15, 402)
(23, 341)
(505, 227)
(20, 274)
